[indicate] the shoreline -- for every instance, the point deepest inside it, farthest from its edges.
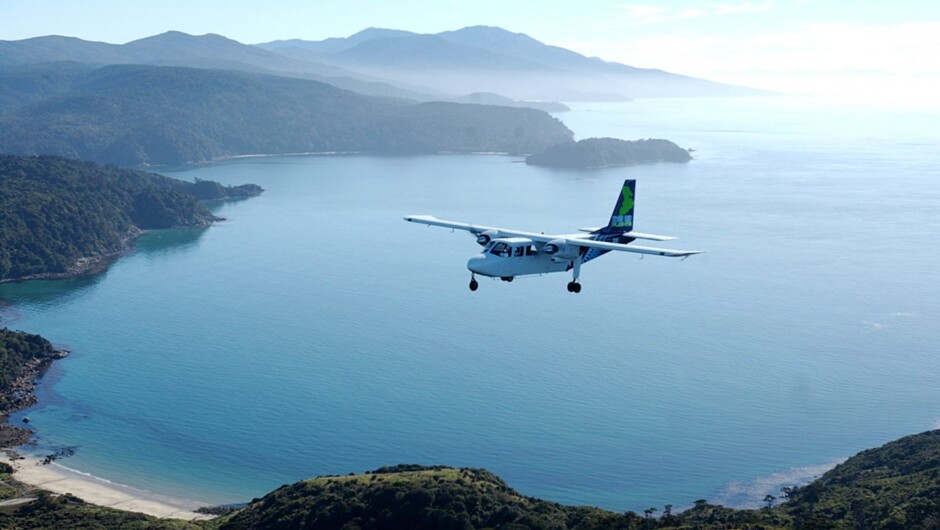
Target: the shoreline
(86, 266)
(60, 479)
(47, 474)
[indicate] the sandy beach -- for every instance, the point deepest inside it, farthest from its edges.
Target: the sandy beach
(60, 479)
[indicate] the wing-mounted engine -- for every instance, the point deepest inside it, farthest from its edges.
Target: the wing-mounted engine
(485, 237)
(560, 249)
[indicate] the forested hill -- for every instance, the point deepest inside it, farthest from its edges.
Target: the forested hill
(896, 486)
(132, 115)
(59, 215)
(893, 487)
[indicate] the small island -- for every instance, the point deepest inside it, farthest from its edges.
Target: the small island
(608, 152)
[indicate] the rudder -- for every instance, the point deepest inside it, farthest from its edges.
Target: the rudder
(621, 220)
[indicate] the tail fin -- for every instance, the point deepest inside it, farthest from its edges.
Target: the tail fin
(621, 220)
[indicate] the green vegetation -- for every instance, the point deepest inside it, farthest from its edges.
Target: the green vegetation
(18, 352)
(65, 511)
(132, 115)
(58, 216)
(896, 486)
(608, 152)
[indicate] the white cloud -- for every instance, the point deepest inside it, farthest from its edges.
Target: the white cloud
(643, 14)
(869, 62)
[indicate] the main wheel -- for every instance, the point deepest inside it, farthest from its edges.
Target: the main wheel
(507, 278)
(577, 288)
(474, 285)
(571, 287)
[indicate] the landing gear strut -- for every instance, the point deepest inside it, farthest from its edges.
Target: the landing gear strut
(473, 282)
(573, 285)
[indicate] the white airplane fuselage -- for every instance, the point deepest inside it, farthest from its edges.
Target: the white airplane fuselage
(510, 257)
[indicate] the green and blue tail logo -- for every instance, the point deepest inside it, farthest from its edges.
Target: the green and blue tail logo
(621, 220)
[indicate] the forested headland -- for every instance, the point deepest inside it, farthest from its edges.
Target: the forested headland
(60, 217)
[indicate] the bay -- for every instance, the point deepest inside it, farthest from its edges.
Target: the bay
(315, 332)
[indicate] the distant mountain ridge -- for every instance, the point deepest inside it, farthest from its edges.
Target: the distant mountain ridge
(174, 48)
(491, 59)
(390, 62)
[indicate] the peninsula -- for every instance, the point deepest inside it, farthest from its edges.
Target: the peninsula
(67, 218)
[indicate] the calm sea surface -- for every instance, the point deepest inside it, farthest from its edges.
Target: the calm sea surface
(315, 332)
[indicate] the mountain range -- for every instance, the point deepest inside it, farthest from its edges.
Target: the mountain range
(390, 63)
(175, 98)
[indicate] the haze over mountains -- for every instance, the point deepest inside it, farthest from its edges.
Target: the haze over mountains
(390, 63)
(175, 98)
(491, 59)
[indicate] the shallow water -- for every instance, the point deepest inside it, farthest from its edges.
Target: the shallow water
(315, 332)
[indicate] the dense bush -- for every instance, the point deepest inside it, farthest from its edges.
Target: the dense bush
(54, 211)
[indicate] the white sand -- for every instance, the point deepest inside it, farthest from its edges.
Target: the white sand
(60, 479)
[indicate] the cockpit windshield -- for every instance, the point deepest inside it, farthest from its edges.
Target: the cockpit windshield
(501, 249)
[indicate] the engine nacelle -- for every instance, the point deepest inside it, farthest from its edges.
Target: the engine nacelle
(560, 249)
(486, 237)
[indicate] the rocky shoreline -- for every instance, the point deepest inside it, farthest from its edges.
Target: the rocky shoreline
(87, 265)
(21, 394)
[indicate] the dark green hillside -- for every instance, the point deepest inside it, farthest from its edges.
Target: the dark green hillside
(413, 497)
(131, 115)
(52, 512)
(608, 152)
(57, 215)
(453, 127)
(26, 84)
(892, 487)
(17, 350)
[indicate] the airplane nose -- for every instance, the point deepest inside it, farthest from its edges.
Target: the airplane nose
(476, 263)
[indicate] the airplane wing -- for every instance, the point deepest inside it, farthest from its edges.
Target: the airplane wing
(575, 239)
(634, 235)
(494, 232)
(590, 243)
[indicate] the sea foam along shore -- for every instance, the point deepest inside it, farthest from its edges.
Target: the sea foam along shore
(60, 479)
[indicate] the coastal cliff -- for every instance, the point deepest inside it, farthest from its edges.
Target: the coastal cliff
(24, 357)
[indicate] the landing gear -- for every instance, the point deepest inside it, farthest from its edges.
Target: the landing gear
(507, 278)
(573, 285)
(473, 283)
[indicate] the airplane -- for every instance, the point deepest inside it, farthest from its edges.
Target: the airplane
(510, 253)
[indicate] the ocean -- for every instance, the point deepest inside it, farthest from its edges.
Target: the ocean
(315, 332)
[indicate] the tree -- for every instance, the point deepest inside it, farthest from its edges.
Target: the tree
(769, 499)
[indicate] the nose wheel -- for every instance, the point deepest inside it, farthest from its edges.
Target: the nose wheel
(574, 287)
(474, 285)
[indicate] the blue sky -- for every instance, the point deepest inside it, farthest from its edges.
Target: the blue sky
(820, 46)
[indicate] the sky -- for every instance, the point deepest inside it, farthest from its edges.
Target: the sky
(863, 49)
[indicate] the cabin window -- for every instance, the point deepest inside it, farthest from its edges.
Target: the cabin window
(500, 249)
(518, 252)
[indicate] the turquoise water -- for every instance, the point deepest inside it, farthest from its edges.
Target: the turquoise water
(316, 332)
